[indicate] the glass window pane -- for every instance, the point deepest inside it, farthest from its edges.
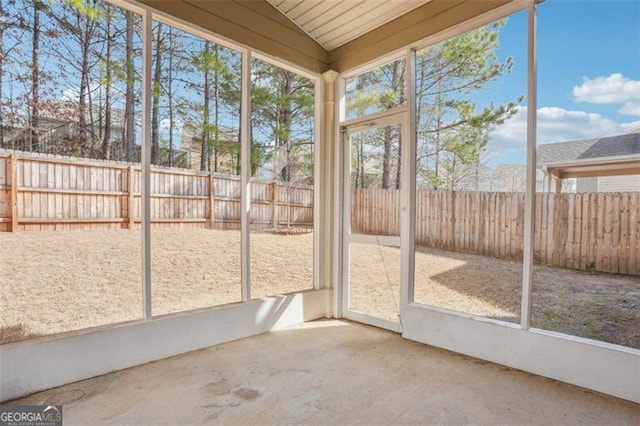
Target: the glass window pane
(375, 181)
(377, 90)
(471, 172)
(282, 184)
(587, 274)
(374, 260)
(70, 134)
(195, 182)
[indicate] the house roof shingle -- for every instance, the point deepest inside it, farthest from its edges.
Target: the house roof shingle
(589, 149)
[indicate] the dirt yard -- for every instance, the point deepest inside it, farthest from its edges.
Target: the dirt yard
(60, 281)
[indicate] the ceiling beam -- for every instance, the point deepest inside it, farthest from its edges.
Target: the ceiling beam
(252, 23)
(259, 25)
(410, 28)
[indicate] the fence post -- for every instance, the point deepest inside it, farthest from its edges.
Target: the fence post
(14, 192)
(452, 220)
(212, 209)
(274, 205)
(130, 198)
(557, 237)
(289, 205)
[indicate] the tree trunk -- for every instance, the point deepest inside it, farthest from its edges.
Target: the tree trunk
(452, 175)
(106, 141)
(436, 164)
(155, 114)
(361, 140)
(204, 148)
(216, 95)
(438, 145)
(238, 162)
(361, 162)
(399, 168)
(420, 166)
(396, 84)
(90, 110)
(386, 161)
(285, 119)
(129, 107)
(91, 131)
(2, 24)
(399, 81)
(170, 95)
(84, 87)
(239, 158)
(35, 79)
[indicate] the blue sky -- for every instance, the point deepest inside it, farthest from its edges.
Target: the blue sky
(588, 74)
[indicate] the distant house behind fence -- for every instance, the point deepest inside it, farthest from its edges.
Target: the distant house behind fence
(608, 164)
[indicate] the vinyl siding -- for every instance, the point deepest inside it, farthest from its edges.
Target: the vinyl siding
(629, 183)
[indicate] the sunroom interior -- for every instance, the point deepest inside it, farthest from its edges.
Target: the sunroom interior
(331, 45)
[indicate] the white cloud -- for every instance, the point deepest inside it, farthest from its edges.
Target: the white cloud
(71, 94)
(98, 93)
(165, 124)
(557, 125)
(610, 90)
(554, 125)
(630, 108)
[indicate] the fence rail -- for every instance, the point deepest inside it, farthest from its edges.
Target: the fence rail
(52, 192)
(588, 231)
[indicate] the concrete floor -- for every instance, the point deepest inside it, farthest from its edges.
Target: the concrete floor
(329, 372)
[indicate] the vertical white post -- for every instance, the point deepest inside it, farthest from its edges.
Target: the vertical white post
(530, 195)
(408, 188)
(344, 144)
(145, 199)
(318, 186)
(328, 165)
(339, 296)
(245, 175)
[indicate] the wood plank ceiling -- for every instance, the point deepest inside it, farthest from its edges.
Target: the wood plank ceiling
(333, 23)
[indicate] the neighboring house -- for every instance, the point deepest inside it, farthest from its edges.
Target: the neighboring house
(629, 183)
(58, 122)
(228, 149)
(299, 158)
(608, 164)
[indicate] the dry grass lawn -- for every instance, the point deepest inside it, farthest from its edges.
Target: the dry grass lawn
(598, 306)
(68, 280)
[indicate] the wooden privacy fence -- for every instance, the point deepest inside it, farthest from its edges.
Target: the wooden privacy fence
(52, 192)
(588, 231)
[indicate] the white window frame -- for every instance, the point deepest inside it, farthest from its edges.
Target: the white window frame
(148, 16)
(603, 366)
